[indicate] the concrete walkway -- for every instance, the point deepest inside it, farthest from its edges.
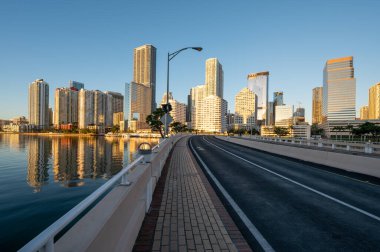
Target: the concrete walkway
(190, 215)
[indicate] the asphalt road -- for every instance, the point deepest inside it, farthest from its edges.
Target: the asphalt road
(295, 206)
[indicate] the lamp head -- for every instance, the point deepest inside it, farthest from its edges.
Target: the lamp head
(197, 48)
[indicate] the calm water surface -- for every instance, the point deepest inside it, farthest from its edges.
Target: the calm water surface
(43, 177)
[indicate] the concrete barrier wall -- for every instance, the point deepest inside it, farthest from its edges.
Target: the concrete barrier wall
(114, 223)
(354, 163)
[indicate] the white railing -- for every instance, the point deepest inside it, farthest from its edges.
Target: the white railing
(365, 147)
(45, 240)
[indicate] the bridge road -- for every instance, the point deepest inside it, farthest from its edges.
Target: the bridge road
(294, 205)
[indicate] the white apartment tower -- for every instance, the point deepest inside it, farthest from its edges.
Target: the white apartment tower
(86, 108)
(65, 106)
(212, 111)
(39, 104)
(214, 78)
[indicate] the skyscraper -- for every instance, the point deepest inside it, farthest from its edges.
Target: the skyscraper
(86, 108)
(214, 78)
(65, 106)
(144, 69)
(258, 83)
(136, 106)
(39, 104)
(339, 90)
(374, 102)
(278, 98)
(364, 113)
(197, 95)
(115, 108)
(245, 108)
(317, 105)
(77, 85)
(212, 113)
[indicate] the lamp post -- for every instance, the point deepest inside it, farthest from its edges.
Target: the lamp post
(170, 57)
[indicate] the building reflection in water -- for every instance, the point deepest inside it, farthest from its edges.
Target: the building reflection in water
(75, 159)
(39, 153)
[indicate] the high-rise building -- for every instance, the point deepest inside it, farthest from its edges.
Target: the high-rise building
(65, 106)
(117, 101)
(271, 114)
(284, 115)
(258, 83)
(86, 108)
(245, 108)
(136, 106)
(339, 90)
(76, 85)
(197, 95)
(374, 102)
(278, 98)
(178, 111)
(364, 112)
(212, 111)
(39, 104)
(214, 78)
(317, 105)
(144, 70)
(164, 98)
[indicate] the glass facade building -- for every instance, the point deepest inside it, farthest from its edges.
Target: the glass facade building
(258, 83)
(339, 90)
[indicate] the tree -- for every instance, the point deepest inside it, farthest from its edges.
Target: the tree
(281, 131)
(315, 130)
(178, 127)
(154, 121)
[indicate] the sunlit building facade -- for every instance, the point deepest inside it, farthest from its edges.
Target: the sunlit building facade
(137, 107)
(284, 115)
(317, 105)
(364, 113)
(214, 80)
(212, 114)
(245, 108)
(374, 102)
(339, 90)
(144, 70)
(65, 106)
(39, 104)
(86, 108)
(258, 83)
(197, 95)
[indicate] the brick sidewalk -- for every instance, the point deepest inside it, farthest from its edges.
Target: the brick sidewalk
(187, 218)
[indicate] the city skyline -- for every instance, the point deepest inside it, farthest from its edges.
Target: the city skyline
(111, 66)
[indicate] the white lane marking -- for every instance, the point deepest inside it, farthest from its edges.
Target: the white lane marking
(302, 185)
(254, 231)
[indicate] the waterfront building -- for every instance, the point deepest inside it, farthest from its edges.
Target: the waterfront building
(364, 113)
(374, 102)
(245, 108)
(144, 70)
(188, 110)
(212, 114)
(86, 108)
(339, 90)
(284, 115)
(214, 80)
(137, 105)
(65, 107)
(317, 105)
(258, 83)
(271, 113)
(178, 111)
(197, 95)
(39, 104)
(118, 118)
(76, 85)
(278, 98)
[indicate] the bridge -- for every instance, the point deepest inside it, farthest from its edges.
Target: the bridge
(228, 194)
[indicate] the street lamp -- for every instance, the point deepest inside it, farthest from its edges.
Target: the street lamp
(170, 57)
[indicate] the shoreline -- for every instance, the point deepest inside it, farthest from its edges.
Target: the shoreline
(70, 135)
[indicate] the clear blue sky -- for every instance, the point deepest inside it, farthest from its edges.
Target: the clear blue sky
(93, 41)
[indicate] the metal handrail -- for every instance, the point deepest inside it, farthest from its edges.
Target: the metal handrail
(46, 238)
